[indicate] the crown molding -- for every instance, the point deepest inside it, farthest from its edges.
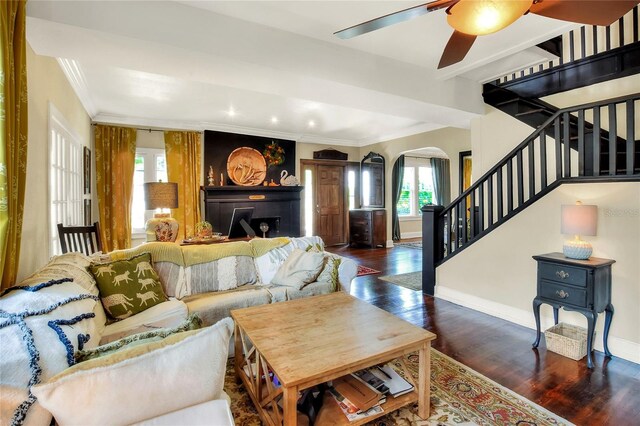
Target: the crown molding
(74, 74)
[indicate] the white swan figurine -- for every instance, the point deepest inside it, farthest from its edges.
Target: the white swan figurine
(286, 180)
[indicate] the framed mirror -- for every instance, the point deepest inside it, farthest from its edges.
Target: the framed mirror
(372, 180)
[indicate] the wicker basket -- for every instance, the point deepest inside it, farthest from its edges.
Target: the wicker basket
(567, 340)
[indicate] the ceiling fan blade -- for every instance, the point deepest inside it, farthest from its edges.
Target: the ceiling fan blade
(456, 48)
(603, 12)
(393, 18)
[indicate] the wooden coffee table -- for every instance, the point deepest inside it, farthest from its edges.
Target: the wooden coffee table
(310, 341)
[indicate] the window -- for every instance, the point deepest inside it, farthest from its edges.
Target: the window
(417, 187)
(66, 188)
(150, 166)
(308, 202)
(351, 188)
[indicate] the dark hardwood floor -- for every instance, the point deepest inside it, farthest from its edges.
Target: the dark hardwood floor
(607, 395)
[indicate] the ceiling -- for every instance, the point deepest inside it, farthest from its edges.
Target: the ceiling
(274, 68)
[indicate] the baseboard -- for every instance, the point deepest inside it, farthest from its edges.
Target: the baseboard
(404, 235)
(621, 348)
(389, 243)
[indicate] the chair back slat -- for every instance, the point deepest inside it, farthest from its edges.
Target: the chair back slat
(83, 239)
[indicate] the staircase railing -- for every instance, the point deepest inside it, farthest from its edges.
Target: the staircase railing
(584, 42)
(543, 161)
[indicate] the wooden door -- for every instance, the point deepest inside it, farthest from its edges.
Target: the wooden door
(325, 199)
(330, 205)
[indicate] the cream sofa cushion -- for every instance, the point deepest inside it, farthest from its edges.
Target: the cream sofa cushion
(208, 413)
(141, 382)
(164, 315)
(281, 293)
(268, 264)
(300, 268)
(212, 307)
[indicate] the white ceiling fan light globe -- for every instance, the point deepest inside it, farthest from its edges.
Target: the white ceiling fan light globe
(481, 17)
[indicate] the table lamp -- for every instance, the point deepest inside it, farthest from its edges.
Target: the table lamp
(158, 196)
(578, 220)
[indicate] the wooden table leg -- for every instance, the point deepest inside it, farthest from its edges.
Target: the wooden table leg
(289, 402)
(424, 379)
(239, 353)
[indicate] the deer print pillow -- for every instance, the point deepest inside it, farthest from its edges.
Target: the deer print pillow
(128, 286)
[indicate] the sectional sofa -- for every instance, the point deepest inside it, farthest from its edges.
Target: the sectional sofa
(208, 281)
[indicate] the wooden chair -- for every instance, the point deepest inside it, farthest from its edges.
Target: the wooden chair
(84, 239)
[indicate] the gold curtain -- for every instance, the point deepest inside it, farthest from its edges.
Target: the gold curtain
(13, 135)
(115, 157)
(184, 167)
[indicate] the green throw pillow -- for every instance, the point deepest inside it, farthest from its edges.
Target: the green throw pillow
(128, 286)
(192, 323)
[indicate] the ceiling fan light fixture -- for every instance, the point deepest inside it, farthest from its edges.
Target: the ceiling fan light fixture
(481, 17)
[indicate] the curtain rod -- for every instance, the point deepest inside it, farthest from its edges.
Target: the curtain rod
(425, 158)
(148, 129)
(418, 158)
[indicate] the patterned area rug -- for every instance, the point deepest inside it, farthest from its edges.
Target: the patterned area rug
(364, 270)
(459, 396)
(410, 244)
(412, 280)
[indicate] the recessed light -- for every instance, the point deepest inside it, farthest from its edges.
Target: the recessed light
(312, 123)
(231, 112)
(274, 120)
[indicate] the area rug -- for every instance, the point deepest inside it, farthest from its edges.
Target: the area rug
(459, 396)
(412, 280)
(364, 270)
(410, 244)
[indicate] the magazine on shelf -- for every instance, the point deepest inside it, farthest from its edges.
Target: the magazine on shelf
(372, 380)
(254, 369)
(358, 392)
(396, 383)
(350, 410)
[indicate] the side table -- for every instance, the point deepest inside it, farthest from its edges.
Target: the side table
(575, 285)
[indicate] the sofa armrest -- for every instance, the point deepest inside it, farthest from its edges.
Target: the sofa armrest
(347, 271)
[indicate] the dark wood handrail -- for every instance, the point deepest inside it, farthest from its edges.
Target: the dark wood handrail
(588, 47)
(534, 135)
(517, 184)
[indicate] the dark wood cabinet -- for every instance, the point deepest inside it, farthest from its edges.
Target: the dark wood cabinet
(575, 285)
(368, 227)
(279, 206)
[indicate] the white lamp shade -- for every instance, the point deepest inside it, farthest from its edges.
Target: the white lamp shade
(161, 195)
(579, 219)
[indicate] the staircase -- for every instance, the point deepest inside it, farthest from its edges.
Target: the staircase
(535, 112)
(567, 147)
(595, 142)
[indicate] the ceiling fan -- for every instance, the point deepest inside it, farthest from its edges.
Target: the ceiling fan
(472, 18)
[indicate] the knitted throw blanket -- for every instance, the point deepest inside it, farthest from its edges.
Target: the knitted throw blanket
(196, 254)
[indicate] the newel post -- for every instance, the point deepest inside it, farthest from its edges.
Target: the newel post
(432, 246)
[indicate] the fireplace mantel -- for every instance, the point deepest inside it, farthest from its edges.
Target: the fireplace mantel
(270, 202)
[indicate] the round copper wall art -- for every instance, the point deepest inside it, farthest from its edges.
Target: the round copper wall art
(246, 167)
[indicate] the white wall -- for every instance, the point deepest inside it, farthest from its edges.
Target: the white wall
(147, 139)
(497, 275)
(46, 83)
(449, 140)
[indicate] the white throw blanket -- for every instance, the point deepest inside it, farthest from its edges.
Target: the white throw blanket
(40, 328)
